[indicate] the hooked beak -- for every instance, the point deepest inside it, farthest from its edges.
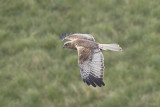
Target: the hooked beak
(63, 46)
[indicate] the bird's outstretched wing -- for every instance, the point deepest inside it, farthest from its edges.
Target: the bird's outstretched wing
(77, 36)
(91, 63)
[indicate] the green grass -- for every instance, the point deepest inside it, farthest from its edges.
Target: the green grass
(35, 71)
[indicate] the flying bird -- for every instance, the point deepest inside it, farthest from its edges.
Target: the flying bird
(90, 57)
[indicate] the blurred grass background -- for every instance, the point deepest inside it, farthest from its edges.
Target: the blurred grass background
(35, 71)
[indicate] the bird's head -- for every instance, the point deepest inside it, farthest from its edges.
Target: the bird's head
(67, 44)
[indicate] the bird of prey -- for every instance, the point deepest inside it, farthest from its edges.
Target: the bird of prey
(90, 57)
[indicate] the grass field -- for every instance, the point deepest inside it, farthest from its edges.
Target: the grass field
(35, 71)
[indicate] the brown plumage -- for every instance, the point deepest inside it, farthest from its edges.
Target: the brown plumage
(90, 57)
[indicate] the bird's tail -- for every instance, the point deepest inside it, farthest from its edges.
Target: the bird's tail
(112, 47)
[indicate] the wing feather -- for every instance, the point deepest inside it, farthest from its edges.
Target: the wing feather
(77, 36)
(92, 66)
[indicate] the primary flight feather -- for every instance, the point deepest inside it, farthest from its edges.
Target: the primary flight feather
(90, 57)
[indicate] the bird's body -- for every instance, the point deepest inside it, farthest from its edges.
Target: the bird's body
(83, 43)
(90, 57)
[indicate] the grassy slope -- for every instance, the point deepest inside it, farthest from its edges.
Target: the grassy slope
(36, 72)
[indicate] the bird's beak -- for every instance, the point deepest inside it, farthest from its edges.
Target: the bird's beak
(63, 46)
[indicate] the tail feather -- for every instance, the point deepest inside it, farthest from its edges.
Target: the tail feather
(112, 47)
